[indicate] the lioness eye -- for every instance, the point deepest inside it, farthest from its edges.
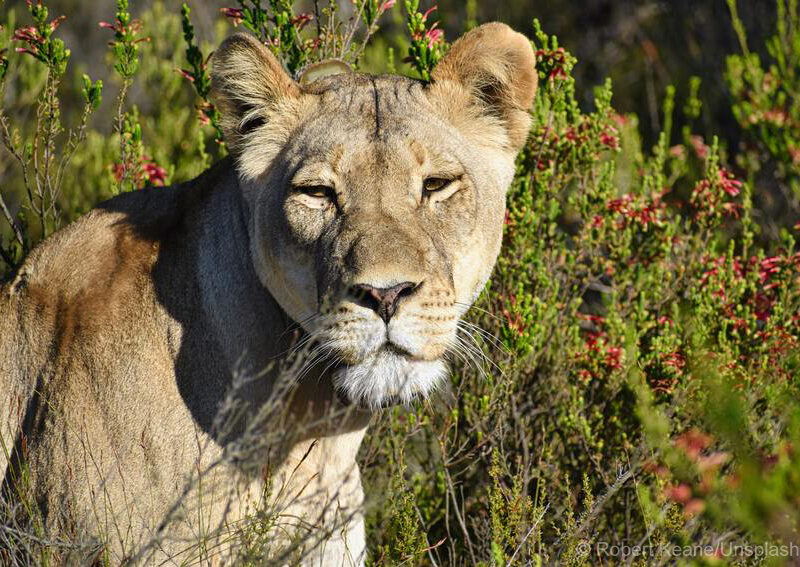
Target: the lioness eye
(315, 196)
(316, 191)
(432, 184)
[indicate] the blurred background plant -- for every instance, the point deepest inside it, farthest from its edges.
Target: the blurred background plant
(630, 375)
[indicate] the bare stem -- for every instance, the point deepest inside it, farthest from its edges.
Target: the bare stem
(9, 217)
(119, 127)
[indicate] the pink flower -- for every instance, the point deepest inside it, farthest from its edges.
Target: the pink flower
(613, 357)
(433, 36)
(693, 442)
(678, 151)
(301, 20)
(728, 183)
(235, 15)
(57, 22)
(155, 174)
(700, 148)
(610, 140)
(428, 12)
(731, 209)
(186, 75)
(204, 113)
(29, 34)
(388, 4)
(620, 205)
(769, 267)
(675, 360)
(680, 493)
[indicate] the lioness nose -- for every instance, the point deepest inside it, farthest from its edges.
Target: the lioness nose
(383, 300)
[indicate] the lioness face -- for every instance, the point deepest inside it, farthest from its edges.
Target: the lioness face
(376, 203)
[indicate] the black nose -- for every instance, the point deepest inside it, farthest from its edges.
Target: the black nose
(383, 300)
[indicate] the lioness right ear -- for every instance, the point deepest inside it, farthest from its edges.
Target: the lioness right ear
(496, 66)
(247, 82)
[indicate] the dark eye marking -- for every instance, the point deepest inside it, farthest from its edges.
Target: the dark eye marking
(432, 184)
(436, 189)
(317, 191)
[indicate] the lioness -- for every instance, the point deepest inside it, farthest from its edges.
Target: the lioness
(364, 211)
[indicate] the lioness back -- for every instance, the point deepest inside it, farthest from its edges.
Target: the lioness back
(87, 347)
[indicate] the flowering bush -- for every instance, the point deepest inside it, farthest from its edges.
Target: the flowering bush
(631, 372)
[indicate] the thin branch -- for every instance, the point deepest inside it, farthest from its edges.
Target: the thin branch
(352, 29)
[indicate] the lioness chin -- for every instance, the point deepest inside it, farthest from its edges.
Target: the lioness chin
(142, 348)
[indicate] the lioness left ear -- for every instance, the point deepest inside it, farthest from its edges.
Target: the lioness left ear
(497, 67)
(247, 82)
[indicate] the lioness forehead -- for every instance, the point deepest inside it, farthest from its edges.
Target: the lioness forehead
(385, 101)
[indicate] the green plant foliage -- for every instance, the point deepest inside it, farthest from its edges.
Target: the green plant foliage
(427, 40)
(765, 99)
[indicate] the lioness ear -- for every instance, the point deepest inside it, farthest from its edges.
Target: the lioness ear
(247, 82)
(497, 66)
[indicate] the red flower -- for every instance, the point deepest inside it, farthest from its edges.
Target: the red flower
(235, 15)
(675, 360)
(559, 60)
(32, 37)
(693, 442)
(433, 35)
(732, 209)
(28, 34)
(769, 267)
(147, 170)
(57, 22)
(680, 493)
(596, 319)
(301, 20)
(620, 205)
(613, 358)
(155, 174)
(699, 146)
(428, 13)
(677, 151)
(728, 183)
(610, 139)
(186, 75)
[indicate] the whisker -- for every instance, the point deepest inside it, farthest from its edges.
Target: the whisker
(485, 335)
(318, 353)
(468, 306)
(478, 350)
(476, 361)
(299, 324)
(463, 349)
(305, 340)
(336, 360)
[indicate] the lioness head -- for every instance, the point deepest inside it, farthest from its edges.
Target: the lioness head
(376, 204)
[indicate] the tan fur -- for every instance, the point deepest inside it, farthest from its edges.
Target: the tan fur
(143, 349)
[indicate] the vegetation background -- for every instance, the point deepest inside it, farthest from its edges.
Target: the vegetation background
(630, 377)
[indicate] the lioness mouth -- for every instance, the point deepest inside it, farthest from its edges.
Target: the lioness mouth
(386, 402)
(397, 350)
